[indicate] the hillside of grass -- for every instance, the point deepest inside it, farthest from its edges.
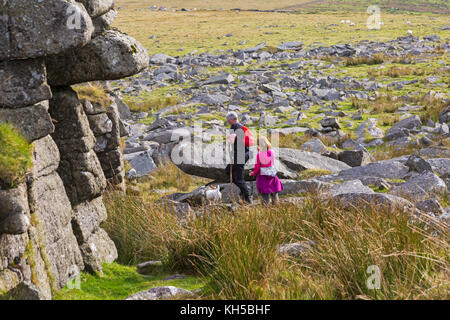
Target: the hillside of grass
(179, 33)
(436, 6)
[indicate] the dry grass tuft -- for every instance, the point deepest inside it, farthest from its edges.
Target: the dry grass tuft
(94, 93)
(396, 72)
(151, 103)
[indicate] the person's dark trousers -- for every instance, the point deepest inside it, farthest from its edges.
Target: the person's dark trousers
(239, 181)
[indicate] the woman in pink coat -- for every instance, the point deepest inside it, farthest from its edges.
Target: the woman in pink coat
(267, 182)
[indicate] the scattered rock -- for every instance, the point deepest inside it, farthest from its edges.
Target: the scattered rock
(149, 267)
(160, 293)
(297, 249)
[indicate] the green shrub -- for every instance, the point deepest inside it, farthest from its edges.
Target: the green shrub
(15, 155)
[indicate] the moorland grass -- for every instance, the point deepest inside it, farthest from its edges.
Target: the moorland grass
(179, 33)
(94, 93)
(118, 282)
(151, 102)
(236, 253)
(15, 155)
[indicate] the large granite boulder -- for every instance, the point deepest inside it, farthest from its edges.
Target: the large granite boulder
(80, 167)
(26, 26)
(210, 161)
(33, 122)
(112, 55)
(97, 8)
(374, 200)
(383, 169)
(421, 187)
(14, 210)
(24, 83)
(160, 293)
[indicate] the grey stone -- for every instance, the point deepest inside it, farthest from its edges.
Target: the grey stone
(28, 291)
(182, 210)
(291, 45)
(421, 187)
(96, 8)
(92, 108)
(35, 28)
(45, 157)
(314, 145)
(355, 158)
(100, 124)
(161, 58)
(124, 110)
(297, 249)
(23, 83)
(72, 123)
(441, 166)
(87, 217)
(112, 163)
(110, 56)
(210, 99)
(12, 249)
(410, 123)
(142, 162)
(330, 122)
(294, 187)
(14, 210)
(149, 267)
(298, 160)
(97, 250)
(374, 200)
(368, 129)
(431, 205)
(225, 78)
(418, 164)
(386, 170)
(444, 115)
(33, 122)
(103, 22)
(47, 198)
(351, 186)
(83, 176)
(64, 269)
(160, 293)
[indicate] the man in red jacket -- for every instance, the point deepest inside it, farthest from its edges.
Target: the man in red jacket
(240, 142)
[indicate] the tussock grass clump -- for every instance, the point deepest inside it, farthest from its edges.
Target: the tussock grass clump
(388, 120)
(138, 228)
(15, 155)
(151, 103)
(94, 93)
(236, 253)
(385, 152)
(169, 176)
(382, 104)
(396, 72)
(312, 173)
(378, 58)
(293, 141)
(372, 60)
(431, 107)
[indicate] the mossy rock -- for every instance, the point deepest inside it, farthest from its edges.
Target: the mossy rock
(15, 156)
